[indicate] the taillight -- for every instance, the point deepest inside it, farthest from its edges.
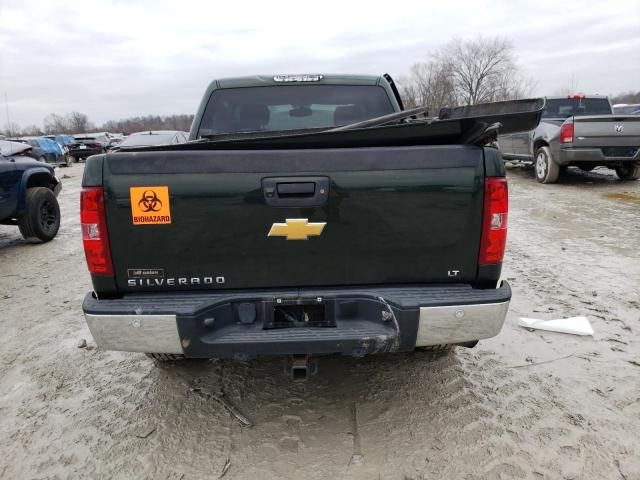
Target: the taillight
(494, 223)
(94, 231)
(95, 145)
(566, 132)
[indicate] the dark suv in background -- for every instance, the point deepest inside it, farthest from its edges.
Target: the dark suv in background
(151, 139)
(87, 144)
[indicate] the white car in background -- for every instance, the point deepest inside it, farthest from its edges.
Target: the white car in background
(152, 138)
(627, 108)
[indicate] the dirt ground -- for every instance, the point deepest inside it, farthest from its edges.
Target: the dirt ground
(522, 405)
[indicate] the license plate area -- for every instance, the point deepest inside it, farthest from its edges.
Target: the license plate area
(619, 151)
(300, 313)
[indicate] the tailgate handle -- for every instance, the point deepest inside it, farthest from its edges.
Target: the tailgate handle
(300, 189)
(296, 191)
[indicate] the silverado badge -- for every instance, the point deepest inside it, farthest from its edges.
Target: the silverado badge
(296, 229)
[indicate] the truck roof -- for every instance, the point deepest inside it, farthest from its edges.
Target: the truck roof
(315, 78)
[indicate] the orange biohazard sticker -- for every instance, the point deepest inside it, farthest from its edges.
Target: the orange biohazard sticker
(150, 205)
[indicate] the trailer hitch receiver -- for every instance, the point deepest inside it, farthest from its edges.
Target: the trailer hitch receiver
(301, 367)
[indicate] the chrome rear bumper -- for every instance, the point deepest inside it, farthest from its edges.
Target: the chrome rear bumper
(365, 321)
(459, 324)
(135, 333)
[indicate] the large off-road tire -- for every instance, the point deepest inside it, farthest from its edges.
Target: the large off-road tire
(545, 168)
(629, 171)
(165, 357)
(41, 218)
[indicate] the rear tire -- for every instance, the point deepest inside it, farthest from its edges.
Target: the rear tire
(165, 357)
(629, 171)
(40, 221)
(545, 168)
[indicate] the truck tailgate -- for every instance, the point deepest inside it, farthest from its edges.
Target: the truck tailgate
(606, 131)
(202, 219)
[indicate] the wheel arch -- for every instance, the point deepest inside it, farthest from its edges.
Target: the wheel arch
(34, 177)
(539, 142)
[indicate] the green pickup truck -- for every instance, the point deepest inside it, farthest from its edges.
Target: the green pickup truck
(307, 215)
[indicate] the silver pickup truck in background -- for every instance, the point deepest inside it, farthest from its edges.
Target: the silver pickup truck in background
(580, 131)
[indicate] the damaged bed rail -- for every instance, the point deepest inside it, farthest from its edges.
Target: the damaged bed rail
(460, 125)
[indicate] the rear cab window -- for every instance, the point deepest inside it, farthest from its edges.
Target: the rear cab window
(291, 107)
(567, 107)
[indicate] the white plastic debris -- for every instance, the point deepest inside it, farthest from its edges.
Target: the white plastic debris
(573, 325)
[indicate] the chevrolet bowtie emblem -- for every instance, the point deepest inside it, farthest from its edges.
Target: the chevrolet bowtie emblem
(296, 229)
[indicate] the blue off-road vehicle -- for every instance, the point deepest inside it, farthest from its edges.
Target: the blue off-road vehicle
(28, 191)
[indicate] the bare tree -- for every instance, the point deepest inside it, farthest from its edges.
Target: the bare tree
(54, 123)
(628, 97)
(430, 84)
(435, 85)
(31, 131)
(149, 122)
(478, 68)
(78, 122)
(11, 129)
(466, 73)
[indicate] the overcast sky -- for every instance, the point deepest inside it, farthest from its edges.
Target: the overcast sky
(119, 58)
